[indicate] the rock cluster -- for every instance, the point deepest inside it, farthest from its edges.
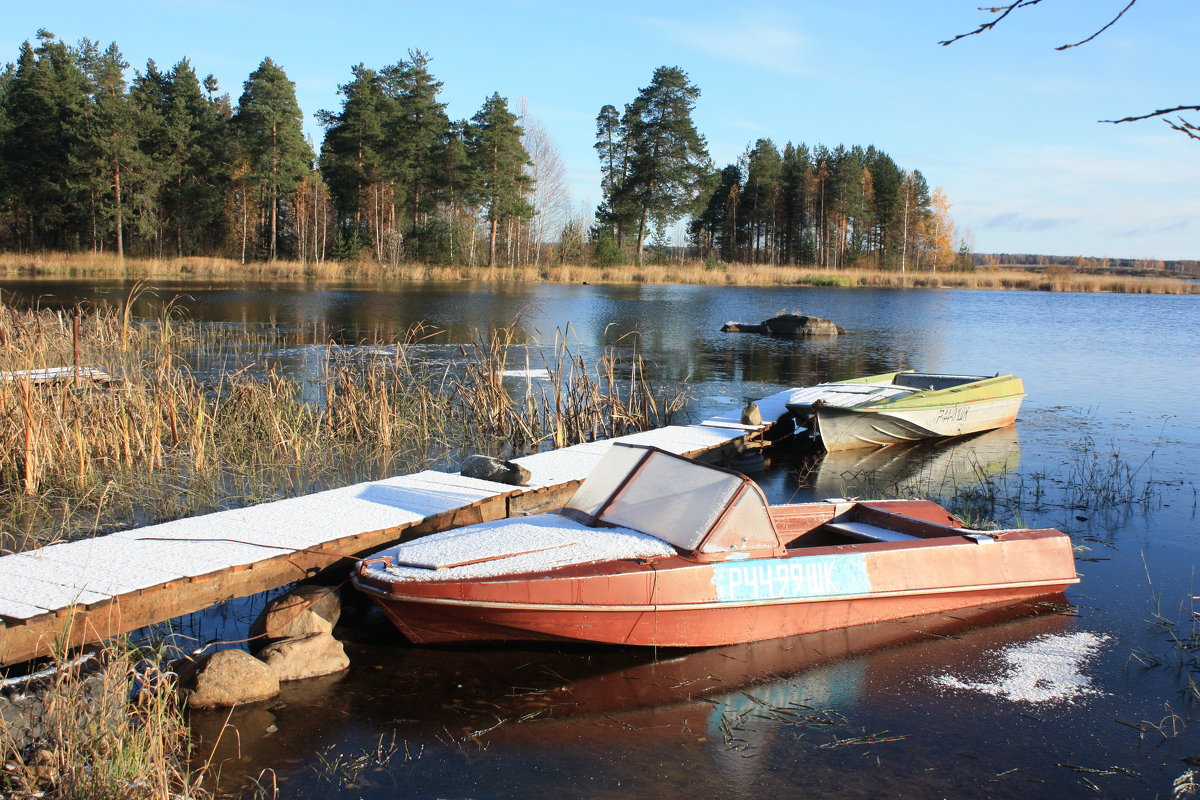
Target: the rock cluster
(292, 639)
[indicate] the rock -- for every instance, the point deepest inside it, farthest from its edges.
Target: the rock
(787, 325)
(494, 469)
(305, 657)
(228, 678)
(304, 610)
(741, 327)
(752, 414)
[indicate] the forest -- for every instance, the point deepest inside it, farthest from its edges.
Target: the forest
(159, 162)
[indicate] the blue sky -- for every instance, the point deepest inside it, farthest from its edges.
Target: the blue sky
(1002, 122)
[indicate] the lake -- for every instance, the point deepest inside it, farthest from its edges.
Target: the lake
(1094, 697)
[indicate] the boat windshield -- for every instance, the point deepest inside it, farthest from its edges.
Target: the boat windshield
(691, 505)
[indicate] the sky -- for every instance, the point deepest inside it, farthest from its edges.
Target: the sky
(1003, 123)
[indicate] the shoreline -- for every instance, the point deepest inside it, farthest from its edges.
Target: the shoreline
(101, 266)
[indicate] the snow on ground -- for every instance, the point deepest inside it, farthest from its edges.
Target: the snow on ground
(1048, 669)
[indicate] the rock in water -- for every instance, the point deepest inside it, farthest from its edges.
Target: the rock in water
(303, 610)
(494, 469)
(800, 325)
(752, 414)
(788, 325)
(228, 678)
(303, 657)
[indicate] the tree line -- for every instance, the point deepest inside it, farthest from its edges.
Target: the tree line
(833, 208)
(164, 163)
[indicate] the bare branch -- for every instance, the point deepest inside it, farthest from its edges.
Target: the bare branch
(1185, 127)
(1102, 30)
(1003, 12)
(1159, 113)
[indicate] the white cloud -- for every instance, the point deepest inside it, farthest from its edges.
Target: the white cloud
(761, 41)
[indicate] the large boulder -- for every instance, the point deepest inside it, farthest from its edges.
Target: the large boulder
(787, 325)
(303, 657)
(494, 469)
(227, 678)
(800, 325)
(304, 610)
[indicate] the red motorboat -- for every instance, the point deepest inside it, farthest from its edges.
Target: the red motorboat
(655, 549)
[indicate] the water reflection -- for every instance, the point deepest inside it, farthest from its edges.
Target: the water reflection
(733, 705)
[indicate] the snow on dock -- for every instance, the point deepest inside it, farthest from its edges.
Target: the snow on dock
(112, 584)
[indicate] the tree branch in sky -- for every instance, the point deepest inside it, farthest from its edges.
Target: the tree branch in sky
(1181, 125)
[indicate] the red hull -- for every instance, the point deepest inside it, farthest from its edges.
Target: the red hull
(427, 623)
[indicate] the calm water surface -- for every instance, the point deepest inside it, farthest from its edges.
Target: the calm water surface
(898, 710)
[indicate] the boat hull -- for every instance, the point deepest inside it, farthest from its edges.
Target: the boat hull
(680, 603)
(850, 428)
(424, 622)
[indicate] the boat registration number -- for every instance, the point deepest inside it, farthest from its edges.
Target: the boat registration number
(781, 578)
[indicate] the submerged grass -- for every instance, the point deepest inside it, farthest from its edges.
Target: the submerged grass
(984, 496)
(186, 428)
(92, 266)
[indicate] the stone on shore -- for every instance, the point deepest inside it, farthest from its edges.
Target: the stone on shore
(494, 469)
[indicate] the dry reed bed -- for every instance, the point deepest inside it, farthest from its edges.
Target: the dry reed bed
(102, 266)
(164, 443)
(114, 730)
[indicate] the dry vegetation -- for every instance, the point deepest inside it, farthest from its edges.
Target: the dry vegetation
(114, 731)
(166, 441)
(99, 266)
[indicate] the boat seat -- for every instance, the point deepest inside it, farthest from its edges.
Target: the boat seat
(868, 532)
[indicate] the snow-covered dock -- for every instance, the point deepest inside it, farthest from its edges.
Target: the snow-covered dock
(91, 589)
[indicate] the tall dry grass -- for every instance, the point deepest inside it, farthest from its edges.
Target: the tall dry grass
(166, 441)
(98, 266)
(113, 730)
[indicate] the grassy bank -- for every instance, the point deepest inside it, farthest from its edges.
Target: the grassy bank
(97, 266)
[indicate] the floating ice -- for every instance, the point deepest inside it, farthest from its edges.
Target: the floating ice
(537, 374)
(1048, 669)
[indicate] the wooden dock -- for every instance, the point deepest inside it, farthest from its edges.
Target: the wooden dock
(84, 591)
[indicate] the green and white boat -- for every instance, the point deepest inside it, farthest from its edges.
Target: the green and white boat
(905, 406)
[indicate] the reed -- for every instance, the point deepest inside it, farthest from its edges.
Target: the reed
(114, 730)
(186, 430)
(91, 266)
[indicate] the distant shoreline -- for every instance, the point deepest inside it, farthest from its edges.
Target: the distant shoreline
(100, 267)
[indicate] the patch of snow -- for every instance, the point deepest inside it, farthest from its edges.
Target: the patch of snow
(513, 546)
(1048, 669)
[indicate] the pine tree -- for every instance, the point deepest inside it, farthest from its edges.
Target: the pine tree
(46, 110)
(416, 133)
(668, 158)
(498, 160)
(119, 162)
(268, 123)
(762, 199)
(351, 156)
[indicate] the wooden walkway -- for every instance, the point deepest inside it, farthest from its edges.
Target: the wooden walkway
(88, 590)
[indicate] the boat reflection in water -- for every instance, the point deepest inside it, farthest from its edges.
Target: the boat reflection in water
(928, 468)
(699, 714)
